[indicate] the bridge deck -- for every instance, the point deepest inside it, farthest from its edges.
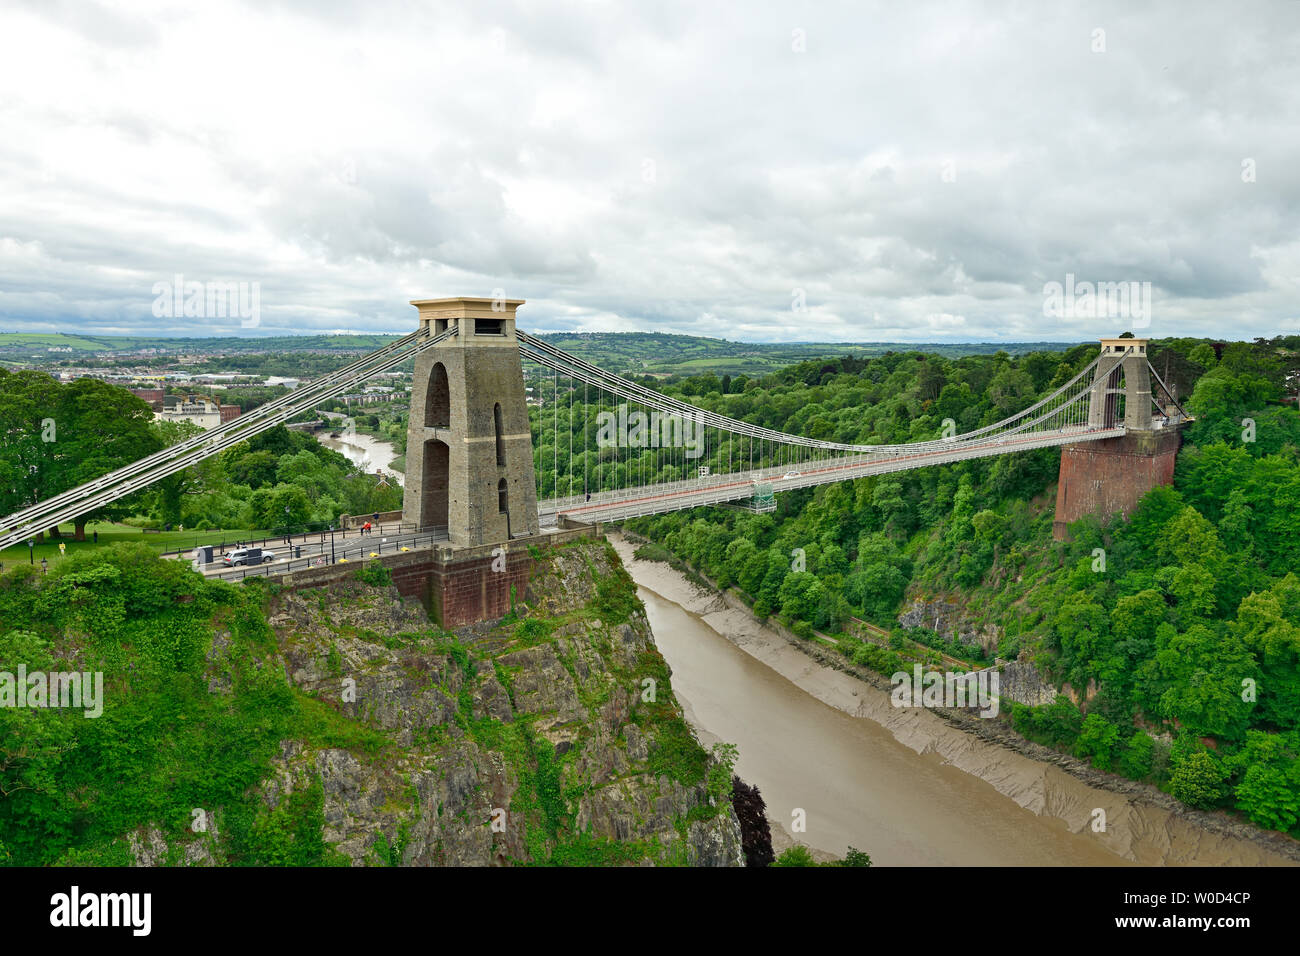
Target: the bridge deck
(676, 496)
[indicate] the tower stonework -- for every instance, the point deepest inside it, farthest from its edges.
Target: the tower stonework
(469, 452)
(1109, 477)
(1122, 361)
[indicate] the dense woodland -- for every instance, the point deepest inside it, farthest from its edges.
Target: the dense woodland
(1184, 620)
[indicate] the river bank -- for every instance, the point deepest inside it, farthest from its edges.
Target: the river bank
(908, 785)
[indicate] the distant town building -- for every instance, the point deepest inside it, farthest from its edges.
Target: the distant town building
(201, 412)
(154, 396)
(365, 398)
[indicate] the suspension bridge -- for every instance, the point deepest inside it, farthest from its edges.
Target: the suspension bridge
(649, 446)
(1088, 407)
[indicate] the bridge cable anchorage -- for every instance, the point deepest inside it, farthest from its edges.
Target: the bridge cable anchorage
(117, 484)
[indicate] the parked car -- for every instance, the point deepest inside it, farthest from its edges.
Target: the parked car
(248, 556)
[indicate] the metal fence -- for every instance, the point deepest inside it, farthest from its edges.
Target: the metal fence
(295, 539)
(355, 548)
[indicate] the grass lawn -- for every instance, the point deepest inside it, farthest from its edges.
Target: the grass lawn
(115, 533)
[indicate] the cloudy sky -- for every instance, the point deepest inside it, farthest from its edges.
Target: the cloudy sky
(755, 171)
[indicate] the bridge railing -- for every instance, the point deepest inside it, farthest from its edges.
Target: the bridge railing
(354, 551)
(302, 538)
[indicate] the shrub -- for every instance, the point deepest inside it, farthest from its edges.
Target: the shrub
(795, 856)
(374, 574)
(856, 858)
(533, 629)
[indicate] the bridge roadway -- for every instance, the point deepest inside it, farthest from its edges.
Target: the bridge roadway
(314, 549)
(719, 489)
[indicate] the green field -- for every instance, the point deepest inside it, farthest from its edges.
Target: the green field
(117, 533)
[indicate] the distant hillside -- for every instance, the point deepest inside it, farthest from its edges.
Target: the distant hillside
(656, 353)
(81, 345)
(664, 353)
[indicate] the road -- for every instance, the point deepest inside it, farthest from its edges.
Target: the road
(318, 549)
(315, 549)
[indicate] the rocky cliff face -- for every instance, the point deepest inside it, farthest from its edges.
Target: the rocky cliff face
(1023, 683)
(551, 738)
(949, 621)
(1019, 680)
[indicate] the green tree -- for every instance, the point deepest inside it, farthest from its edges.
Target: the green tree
(1269, 788)
(1198, 780)
(1097, 740)
(1136, 760)
(802, 596)
(1203, 355)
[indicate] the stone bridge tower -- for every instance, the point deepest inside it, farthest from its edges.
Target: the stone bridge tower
(469, 451)
(1109, 477)
(1121, 373)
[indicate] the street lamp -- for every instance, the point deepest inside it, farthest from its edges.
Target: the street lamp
(44, 565)
(31, 553)
(331, 542)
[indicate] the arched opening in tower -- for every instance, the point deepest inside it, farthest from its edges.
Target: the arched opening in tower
(501, 441)
(436, 484)
(1114, 397)
(437, 401)
(503, 497)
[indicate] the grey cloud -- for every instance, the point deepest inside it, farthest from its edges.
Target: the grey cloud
(522, 166)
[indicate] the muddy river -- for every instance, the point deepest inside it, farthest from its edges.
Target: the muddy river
(901, 784)
(365, 451)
